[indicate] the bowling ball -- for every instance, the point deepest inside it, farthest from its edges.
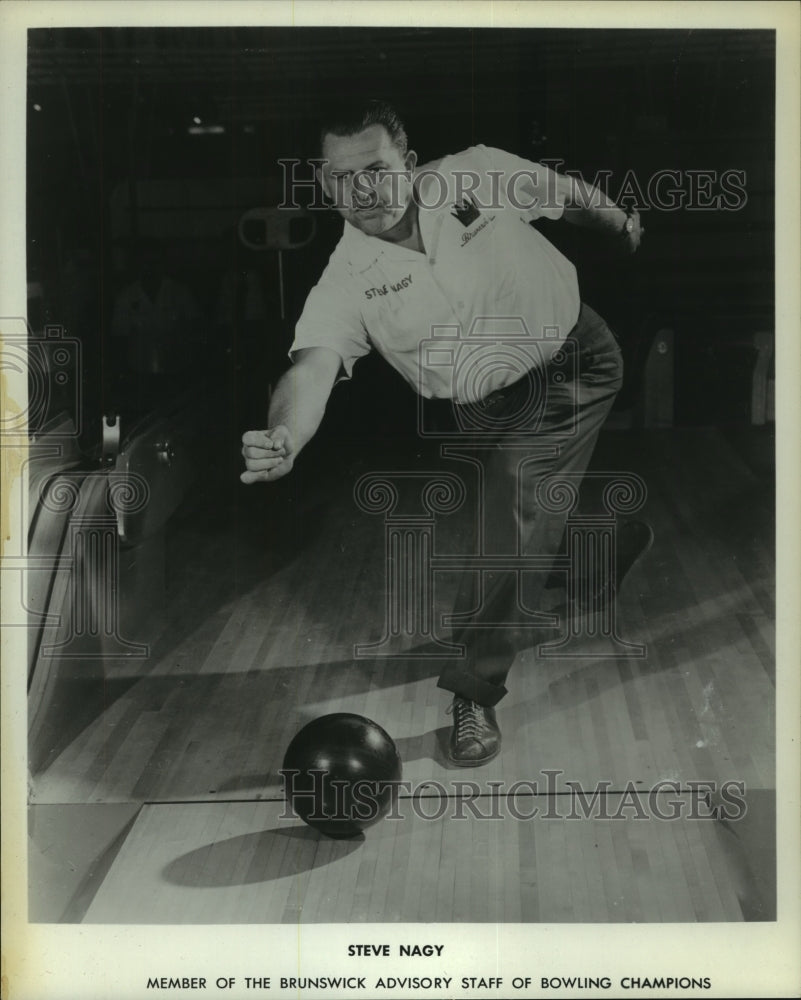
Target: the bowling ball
(340, 773)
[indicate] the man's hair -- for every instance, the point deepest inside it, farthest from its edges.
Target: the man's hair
(355, 117)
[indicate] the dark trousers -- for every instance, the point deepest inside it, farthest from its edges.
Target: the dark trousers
(547, 423)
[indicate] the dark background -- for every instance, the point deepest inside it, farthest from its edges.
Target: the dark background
(110, 108)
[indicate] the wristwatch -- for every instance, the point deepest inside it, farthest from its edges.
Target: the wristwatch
(629, 224)
(632, 230)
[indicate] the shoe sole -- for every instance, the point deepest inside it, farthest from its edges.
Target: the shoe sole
(473, 763)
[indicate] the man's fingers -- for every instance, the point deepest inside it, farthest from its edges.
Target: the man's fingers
(266, 476)
(260, 464)
(252, 477)
(275, 438)
(267, 454)
(261, 439)
(251, 454)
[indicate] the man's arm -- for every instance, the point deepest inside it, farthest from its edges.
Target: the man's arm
(588, 206)
(296, 410)
(576, 201)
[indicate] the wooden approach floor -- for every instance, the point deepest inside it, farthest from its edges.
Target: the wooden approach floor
(239, 863)
(267, 599)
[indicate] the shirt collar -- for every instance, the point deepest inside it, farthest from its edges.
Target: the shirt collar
(364, 250)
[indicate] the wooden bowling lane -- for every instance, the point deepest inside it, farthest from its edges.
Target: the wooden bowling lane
(262, 635)
(262, 618)
(262, 640)
(241, 862)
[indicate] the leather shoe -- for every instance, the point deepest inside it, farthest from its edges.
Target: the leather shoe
(475, 736)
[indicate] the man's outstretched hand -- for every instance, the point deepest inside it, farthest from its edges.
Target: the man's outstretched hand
(268, 454)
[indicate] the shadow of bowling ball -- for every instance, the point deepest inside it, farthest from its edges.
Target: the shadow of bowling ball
(341, 774)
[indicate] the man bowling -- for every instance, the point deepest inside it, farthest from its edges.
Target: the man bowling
(449, 245)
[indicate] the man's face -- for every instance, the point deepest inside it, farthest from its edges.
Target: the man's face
(367, 178)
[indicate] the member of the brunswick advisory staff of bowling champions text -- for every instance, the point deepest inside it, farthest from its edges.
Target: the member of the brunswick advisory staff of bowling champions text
(449, 244)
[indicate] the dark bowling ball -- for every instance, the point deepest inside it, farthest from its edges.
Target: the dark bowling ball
(340, 773)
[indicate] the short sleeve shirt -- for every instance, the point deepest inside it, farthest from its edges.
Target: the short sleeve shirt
(489, 298)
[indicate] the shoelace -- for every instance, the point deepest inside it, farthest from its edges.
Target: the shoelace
(468, 718)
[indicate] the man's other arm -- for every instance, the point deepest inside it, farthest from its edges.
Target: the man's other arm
(552, 195)
(588, 206)
(296, 411)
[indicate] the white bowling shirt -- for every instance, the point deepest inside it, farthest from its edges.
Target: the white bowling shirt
(489, 298)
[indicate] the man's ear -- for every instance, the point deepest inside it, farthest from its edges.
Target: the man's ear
(411, 160)
(328, 185)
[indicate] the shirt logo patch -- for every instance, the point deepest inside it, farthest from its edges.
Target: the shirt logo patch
(466, 211)
(485, 221)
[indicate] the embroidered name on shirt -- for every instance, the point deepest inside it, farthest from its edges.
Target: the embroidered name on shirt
(371, 293)
(466, 237)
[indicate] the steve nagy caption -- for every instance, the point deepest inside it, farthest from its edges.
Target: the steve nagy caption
(542, 984)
